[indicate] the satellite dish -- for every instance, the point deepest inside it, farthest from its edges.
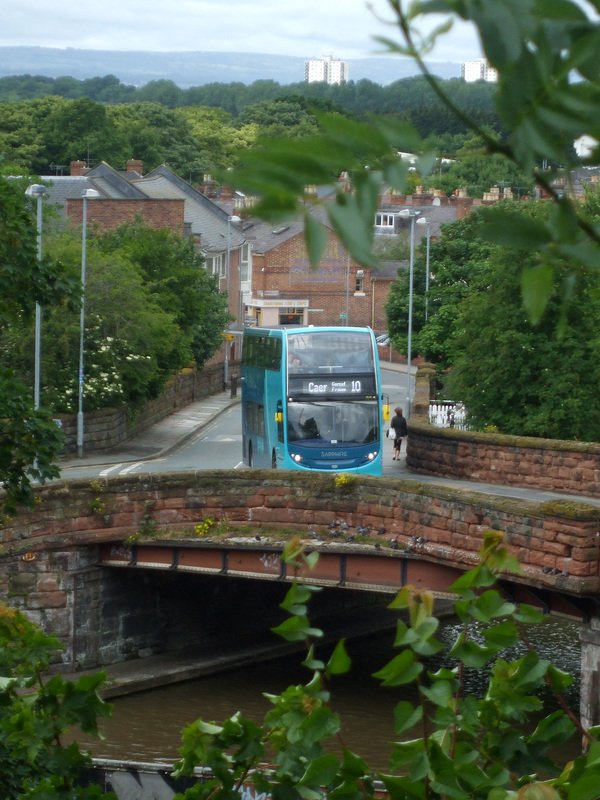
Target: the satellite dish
(436, 201)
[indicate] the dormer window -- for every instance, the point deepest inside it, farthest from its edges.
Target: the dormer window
(385, 222)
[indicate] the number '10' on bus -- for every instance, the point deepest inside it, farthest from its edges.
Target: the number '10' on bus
(311, 399)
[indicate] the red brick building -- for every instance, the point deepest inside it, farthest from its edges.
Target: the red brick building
(285, 289)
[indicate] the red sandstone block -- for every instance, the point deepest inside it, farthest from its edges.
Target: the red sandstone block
(564, 526)
(437, 537)
(378, 510)
(237, 515)
(557, 549)
(271, 491)
(256, 500)
(123, 519)
(47, 600)
(191, 515)
(166, 516)
(439, 523)
(585, 554)
(572, 543)
(518, 540)
(580, 569)
(275, 502)
(467, 543)
(285, 515)
(437, 512)
(321, 517)
(47, 584)
(174, 502)
(541, 559)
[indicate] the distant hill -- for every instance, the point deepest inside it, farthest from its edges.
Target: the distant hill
(187, 69)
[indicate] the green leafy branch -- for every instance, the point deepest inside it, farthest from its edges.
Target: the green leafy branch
(536, 48)
(34, 714)
(544, 113)
(450, 743)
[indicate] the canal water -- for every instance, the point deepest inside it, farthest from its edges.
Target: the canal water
(147, 726)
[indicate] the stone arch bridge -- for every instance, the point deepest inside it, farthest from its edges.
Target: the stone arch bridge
(130, 566)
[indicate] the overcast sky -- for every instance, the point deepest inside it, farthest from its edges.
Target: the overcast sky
(304, 28)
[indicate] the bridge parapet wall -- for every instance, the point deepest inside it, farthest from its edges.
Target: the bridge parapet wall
(549, 464)
(556, 542)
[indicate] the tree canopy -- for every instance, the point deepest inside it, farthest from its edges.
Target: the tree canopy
(173, 316)
(29, 437)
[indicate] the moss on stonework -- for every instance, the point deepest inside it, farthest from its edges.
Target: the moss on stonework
(571, 509)
(420, 424)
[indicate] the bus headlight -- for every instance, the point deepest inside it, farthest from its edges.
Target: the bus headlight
(296, 457)
(371, 456)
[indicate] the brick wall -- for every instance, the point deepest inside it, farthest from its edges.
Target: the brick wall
(558, 466)
(105, 214)
(49, 556)
(286, 270)
(108, 427)
(74, 513)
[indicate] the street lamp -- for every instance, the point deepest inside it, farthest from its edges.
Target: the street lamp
(227, 278)
(88, 194)
(407, 214)
(347, 289)
(426, 221)
(37, 190)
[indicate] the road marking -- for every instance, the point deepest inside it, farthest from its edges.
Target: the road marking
(110, 469)
(132, 467)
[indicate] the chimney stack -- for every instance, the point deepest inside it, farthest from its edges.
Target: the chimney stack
(136, 166)
(78, 168)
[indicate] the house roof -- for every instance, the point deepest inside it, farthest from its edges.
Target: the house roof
(388, 270)
(437, 216)
(66, 187)
(206, 219)
(265, 236)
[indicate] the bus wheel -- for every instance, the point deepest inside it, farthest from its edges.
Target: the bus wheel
(250, 464)
(274, 460)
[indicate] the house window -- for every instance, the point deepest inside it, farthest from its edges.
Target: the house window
(245, 263)
(216, 265)
(291, 316)
(385, 221)
(359, 285)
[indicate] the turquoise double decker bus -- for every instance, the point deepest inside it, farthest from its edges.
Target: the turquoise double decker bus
(311, 399)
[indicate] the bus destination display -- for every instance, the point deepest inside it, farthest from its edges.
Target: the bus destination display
(330, 386)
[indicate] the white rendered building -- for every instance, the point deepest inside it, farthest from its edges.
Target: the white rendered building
(478, 70)
(328, 69)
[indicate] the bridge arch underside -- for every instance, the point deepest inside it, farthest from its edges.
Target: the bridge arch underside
(213, 621)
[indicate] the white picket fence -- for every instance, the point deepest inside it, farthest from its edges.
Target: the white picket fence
(448, 414)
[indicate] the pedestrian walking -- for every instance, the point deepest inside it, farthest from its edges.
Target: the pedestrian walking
(399, 430)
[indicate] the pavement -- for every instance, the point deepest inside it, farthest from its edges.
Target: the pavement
(162, 437)
(173, 431)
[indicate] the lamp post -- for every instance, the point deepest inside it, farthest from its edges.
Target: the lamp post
(37, 190)
(227, 283)
(426, 221)
(88, 194)
(347, 289)
(407, 214)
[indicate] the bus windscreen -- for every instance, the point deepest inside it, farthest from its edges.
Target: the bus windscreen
(328, 353)
(333, 423)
